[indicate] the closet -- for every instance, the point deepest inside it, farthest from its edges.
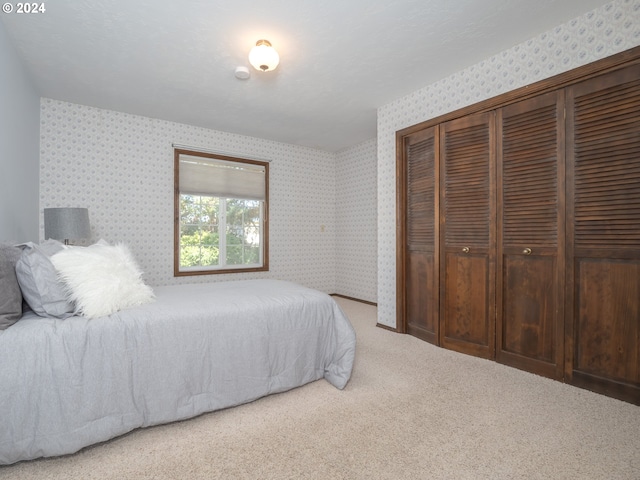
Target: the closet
(519, 228)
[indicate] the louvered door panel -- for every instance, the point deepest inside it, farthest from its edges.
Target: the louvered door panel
(530, 257)
(420, 201)
(421, 262)
(603, 176)
(467, 297)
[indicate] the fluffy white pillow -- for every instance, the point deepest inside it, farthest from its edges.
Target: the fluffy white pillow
(102, 279)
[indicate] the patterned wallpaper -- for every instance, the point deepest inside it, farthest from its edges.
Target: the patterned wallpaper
(120, 166)
(356, 221)
(607, 30)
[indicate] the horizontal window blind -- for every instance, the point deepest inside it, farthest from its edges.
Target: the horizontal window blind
(221, 178)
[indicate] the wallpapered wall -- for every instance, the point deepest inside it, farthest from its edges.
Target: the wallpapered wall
(356, 222)
(120, 166)
(607, 30)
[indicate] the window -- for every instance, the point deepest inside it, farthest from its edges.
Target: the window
(221, 206)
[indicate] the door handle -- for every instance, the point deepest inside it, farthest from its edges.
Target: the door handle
(465, 249)
(527, 251)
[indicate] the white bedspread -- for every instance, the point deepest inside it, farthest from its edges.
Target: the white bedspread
(66, 384)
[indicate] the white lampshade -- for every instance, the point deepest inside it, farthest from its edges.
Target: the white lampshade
(263, 56)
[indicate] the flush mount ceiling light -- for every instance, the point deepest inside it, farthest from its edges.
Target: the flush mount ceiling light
(263, 56)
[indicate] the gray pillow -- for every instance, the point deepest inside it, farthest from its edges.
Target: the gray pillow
(39, 282)
(10, 295)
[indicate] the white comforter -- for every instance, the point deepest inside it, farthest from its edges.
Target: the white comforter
(66, 384)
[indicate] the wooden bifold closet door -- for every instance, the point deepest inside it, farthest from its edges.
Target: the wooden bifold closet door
(421, 259)
(521, 230)
(603, 179)
(531, 238)
(467, 235)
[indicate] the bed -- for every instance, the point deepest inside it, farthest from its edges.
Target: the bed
(67, 383)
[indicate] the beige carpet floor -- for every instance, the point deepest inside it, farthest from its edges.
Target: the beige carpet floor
(410, 411)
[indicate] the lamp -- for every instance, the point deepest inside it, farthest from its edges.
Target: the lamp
(66, 223)
(263, 56)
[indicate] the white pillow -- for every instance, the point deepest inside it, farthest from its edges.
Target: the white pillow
(102, 279)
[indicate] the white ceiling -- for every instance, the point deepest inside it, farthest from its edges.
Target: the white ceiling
(339, 59)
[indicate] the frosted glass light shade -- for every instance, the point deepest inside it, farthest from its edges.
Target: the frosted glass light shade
(263, 56)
